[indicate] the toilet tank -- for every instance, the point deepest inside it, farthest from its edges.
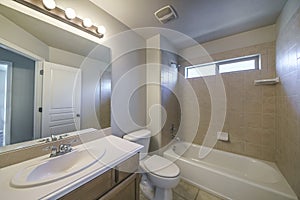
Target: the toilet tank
(141, 137)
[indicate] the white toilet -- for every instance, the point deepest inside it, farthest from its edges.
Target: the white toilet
(162, 173)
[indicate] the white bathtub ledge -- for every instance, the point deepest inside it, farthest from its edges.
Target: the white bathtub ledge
(230, 175)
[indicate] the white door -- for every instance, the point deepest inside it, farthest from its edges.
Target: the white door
(61, 99)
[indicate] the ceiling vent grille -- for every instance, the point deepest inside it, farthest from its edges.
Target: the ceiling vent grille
(166, 14)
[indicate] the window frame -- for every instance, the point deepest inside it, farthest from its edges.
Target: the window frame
(198, 66)
(255, 57)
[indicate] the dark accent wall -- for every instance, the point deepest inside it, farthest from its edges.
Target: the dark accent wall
(22, 102)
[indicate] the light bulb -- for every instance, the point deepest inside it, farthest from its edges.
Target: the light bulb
(87, 22)
(101, 30)
(49, 4)
(70, 13)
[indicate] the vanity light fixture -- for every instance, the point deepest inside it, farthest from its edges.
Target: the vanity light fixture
(70, 13)
(68, 16)
(101, 29)
(49, 4)
(87, 22)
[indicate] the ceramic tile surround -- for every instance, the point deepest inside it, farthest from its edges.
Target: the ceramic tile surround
(23, 154)
(169, 78)
(288, 102)
(250, 112)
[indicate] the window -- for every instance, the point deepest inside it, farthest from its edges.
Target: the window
(225, 66)
(206, 70)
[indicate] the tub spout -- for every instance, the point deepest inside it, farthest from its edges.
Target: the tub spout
(177, 139)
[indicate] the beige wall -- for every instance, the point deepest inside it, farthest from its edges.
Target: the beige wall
(237, 41)
(14, 35)
(64, 57)
(288, 94)
(250, 112)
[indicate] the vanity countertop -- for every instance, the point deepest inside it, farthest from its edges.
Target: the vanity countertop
(117, 151)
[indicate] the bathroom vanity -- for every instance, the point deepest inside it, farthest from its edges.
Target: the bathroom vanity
(101, 169)
(121, 182)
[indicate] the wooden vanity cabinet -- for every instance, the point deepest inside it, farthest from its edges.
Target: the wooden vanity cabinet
(93, 189)
(128, 189)
(120, 182)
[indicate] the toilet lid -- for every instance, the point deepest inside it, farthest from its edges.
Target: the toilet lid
(161, 166)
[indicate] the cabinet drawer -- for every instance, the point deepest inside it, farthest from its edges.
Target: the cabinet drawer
(126, 168)
(93, 189)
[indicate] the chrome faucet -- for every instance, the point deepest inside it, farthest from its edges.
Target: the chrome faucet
(62, 149)
(53, 137)
(177, 139)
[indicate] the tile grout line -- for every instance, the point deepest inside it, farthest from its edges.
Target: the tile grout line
(178, 195)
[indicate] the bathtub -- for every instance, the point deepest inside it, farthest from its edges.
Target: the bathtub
(229, 175)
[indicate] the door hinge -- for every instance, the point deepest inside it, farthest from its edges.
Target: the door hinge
(40, 109)
(41, 72)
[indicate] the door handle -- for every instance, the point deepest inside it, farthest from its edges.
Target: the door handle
(77, 115)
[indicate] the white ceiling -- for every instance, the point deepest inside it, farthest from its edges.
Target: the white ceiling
(203, 20)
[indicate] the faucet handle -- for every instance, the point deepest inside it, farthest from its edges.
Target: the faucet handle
(64, 148)
(53, 151)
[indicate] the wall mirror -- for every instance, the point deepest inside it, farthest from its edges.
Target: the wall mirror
(42, 67)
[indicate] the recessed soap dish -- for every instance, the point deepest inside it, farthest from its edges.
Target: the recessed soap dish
(271, 81)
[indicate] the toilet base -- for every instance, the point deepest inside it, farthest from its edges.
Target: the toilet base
(163, 194)
(146, 187)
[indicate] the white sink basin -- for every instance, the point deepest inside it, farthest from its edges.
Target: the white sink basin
(56, 168)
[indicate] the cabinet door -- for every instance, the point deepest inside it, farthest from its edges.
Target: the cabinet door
(126, 190)
(126, 168)
(93, 189)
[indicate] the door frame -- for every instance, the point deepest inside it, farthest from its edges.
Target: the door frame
(7, 102)
(38, 96)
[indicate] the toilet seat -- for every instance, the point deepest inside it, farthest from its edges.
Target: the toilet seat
(162, 167)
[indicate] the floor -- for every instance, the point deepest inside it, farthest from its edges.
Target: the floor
(186, 191)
